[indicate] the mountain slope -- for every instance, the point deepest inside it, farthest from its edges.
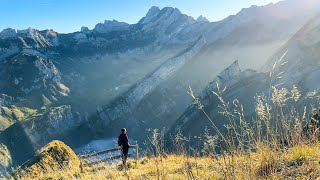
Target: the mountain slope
(121, 111)
(300, 68)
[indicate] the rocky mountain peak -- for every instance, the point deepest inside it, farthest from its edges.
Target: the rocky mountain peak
(155, 15)
(51, 32)
(109, 26)
(166, 23)
(171, 10)
(153, 11)
(40, 41)
(225, 78)
(230, 72)
(202, 19)
(8, 33)
(84, 29)
(52, 37)
(26, 31)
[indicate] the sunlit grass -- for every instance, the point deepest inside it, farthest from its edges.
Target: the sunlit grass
(301, 162)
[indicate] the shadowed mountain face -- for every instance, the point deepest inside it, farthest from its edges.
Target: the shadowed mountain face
(301, 69)
(88, 84)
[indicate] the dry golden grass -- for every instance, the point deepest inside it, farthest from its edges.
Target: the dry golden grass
(299, 162)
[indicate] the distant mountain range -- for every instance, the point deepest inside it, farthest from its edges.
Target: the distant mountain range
(86, 85)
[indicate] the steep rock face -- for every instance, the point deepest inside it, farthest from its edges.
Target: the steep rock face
(121, 110)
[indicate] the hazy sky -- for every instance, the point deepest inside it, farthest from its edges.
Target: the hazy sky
(69, 15)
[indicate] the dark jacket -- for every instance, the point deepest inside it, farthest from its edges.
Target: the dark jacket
(123, 140)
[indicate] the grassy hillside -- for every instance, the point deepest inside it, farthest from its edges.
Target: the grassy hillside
(300, 161)
(12, 114)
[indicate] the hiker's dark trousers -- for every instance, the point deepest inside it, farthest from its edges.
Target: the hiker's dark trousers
(125, 151)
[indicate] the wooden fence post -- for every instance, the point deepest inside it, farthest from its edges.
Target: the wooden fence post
(137, 154)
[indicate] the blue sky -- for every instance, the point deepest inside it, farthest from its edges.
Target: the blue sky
(69, 15)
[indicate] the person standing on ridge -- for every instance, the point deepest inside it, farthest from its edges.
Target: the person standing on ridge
(123, 142)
